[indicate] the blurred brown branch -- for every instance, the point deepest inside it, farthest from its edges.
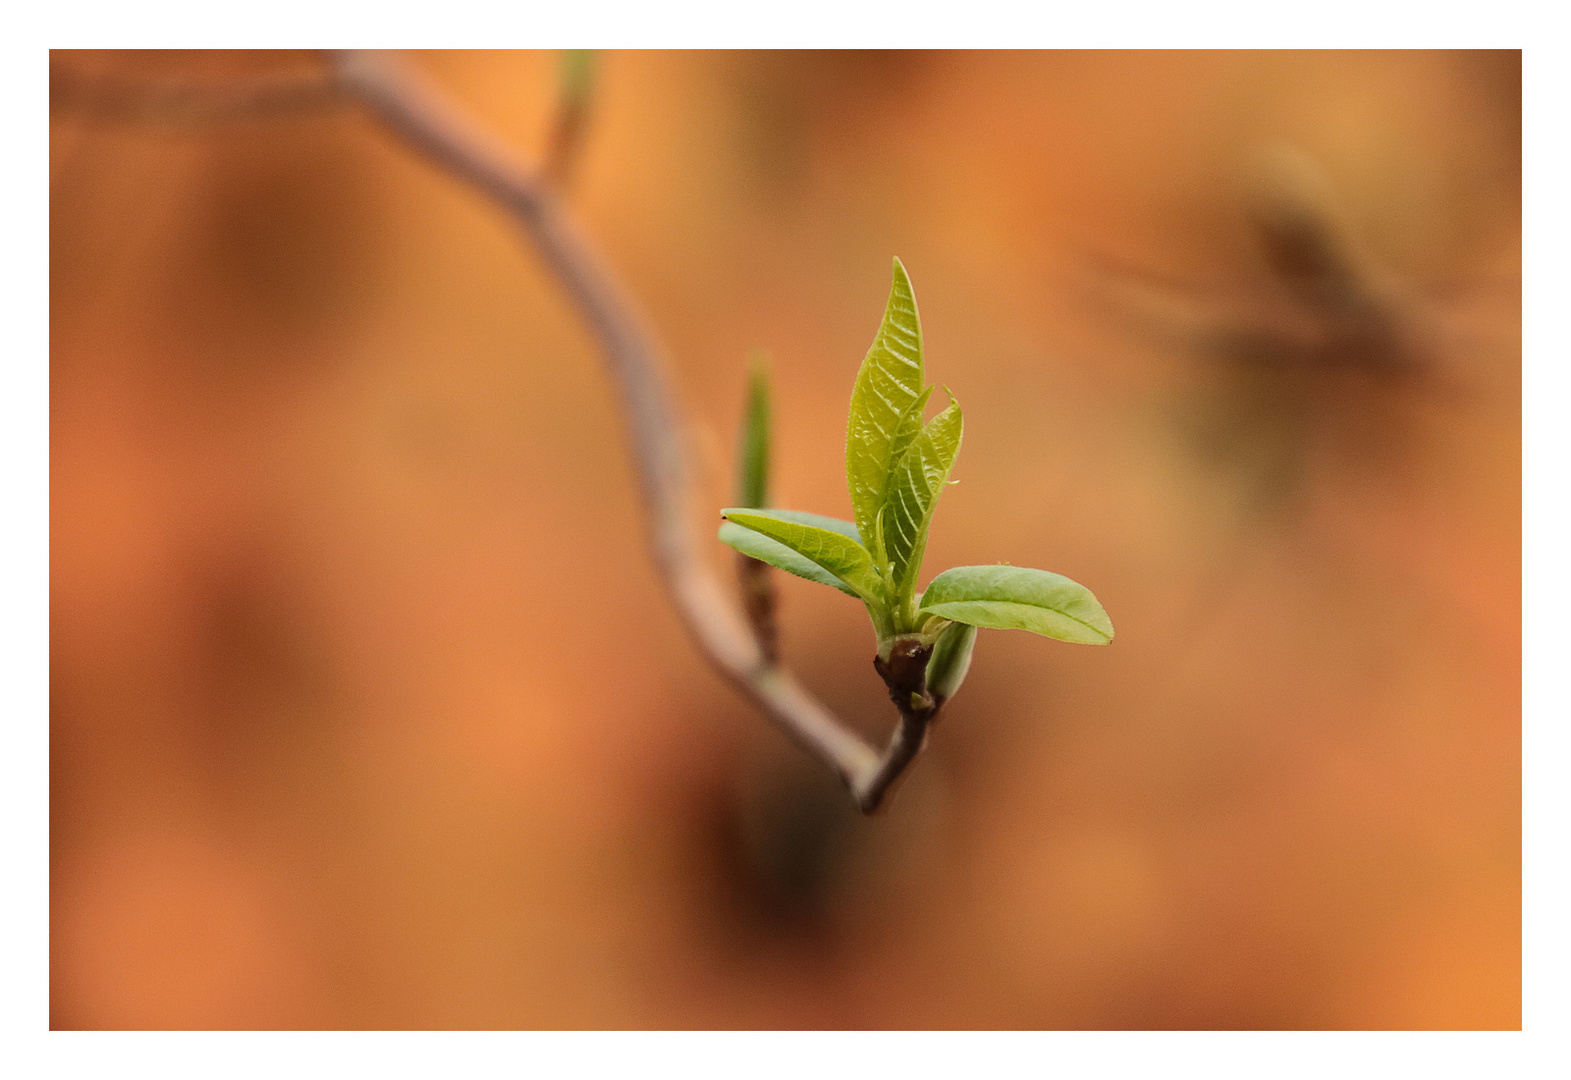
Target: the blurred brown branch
(1324, 342)
(190, 101)
(1325, 303)
(1363, 315)
(410, 107)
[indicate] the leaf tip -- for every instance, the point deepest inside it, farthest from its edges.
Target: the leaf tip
(901, 280)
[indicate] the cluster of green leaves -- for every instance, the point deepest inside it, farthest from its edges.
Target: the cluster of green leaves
(897, 464)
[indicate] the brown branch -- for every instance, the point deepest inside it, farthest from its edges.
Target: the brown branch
(410, 107)
(187, 101)
(905, 674)
(1327, 302)
(1316, 255)
(759, 601)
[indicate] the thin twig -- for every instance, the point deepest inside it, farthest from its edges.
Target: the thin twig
(756, 587)
(409, 106)
(905, 674)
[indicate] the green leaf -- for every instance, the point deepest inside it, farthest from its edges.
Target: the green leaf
(909, 427)
(951, 659)
(1019, 598)
(752, 451)
(889, 381)
(759, 546)
(830, 546)
(914, 486)
(776, 554)
(817, 521)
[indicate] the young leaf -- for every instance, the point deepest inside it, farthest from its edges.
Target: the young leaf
(889, 381)
(909, 427)
(914, 486)
(1019, 598)
(831, 546)
(951, 659)
(760, 547)
(776, 554)
(752, 451)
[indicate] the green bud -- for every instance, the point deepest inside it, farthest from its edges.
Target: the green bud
(951, 660)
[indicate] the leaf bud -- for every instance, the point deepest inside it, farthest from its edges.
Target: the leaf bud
(951, 659)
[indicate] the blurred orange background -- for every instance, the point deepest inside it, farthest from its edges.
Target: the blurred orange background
(367, 709)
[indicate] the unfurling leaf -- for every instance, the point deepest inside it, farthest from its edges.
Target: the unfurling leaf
(888, 383)
(752, 450)
(827, 547)
(1019, 598)
(914, 486)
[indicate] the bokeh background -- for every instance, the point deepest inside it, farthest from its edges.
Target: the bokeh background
(368, 711)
